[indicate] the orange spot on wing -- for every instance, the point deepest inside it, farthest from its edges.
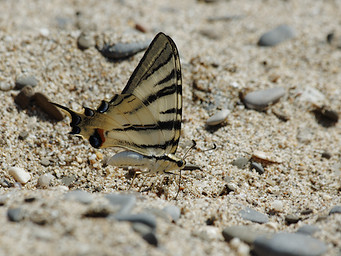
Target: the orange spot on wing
(101, 134)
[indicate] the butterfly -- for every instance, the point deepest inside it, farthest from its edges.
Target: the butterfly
(145, 119)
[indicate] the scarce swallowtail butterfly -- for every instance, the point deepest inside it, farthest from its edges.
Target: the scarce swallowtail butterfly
(145, 119)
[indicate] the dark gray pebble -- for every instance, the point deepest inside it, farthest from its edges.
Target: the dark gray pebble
(25, 80)
(126, 202)
(335, 209)
(240, 162)
(23, 99)
(143, 218)
(245, 233)
(98, 211)
(80, 196)
(292, 219)
(15, 214)
(254, 216)
(308, 229)
(289, 244)
(258, 167)
(123, 50)
(276, 36)
(260, 99)
(68, 180)
(326, 117)
(173, 211)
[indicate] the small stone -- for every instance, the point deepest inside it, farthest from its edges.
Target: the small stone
(127, 202)
(25, 80)
(23, 135)
(252, 215)
(264, 157)
(173, 211)
(334, 39)
(305, 135)
(45, 180)
(308, 229)
(312, 96)
(276, 36)
(45, 105)
(19, 174)
(79, 196)
(335, 209)
(247, 234)
(326, 116)
(123, 50)
(289, 244)
(277, 205)
(258, 167)
(261, 99)
(85, 41)
(218, 117)
(292, 219)
(23, 99)
(326, 155)
(6, 86)
(45, 161)
(15, 214)
(144, 218)
(240, 162)
(68, 180)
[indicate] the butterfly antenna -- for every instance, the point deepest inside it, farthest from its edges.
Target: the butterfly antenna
(189, 149)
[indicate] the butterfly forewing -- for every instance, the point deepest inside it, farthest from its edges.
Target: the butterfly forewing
(157, 83)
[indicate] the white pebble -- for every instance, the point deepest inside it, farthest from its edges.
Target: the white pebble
(44, 180)
(6, 86)
(218, 117)
(19, 174)
(277, 205)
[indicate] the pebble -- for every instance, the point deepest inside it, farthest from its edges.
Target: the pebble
(6, 86)
(265, 157)
(80, 196)
(218, 117)
(260, 99)
(173, 211)
(326, 116)
(311, 95)
(23, 99)
(292, 219)
(15, 214)
(68, 180)
(25, 80)
(45, 161)
(258, 167)
(19, 174)
(252, 215)
(123, 50)
(23, 135)
(335, 209)
(326, 155)
(305, 135)
(246, 233)
(286, 244)
(147, 219)
(45, 105)
(276, 36)
(277, 205)
(126, 202)
(240, 162)
(308, 229)
(334, 40)
(85, 41)
(45, 180)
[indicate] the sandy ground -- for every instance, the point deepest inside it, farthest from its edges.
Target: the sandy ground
(39, 38)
